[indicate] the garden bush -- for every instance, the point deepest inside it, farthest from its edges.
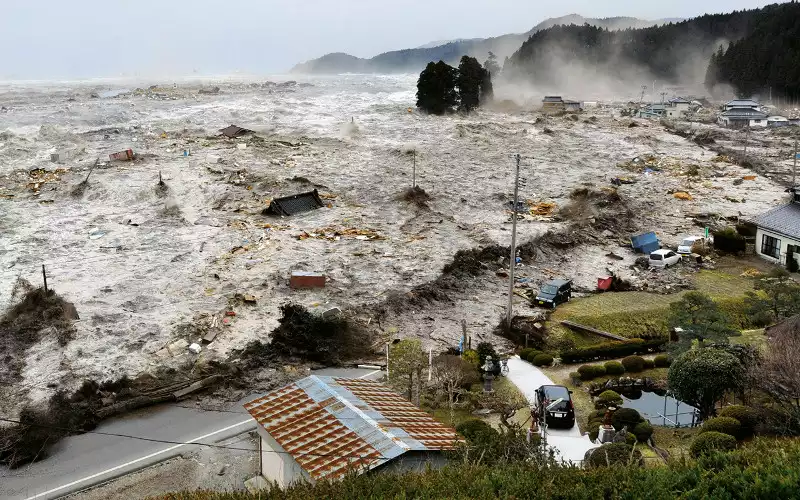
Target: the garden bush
(630, 438)
(725, 425)
(747, 417)
(625, 417)
(528, 354)
(633, 364)
(615, 454)
(542, 359)
(643, 431)
(588, 372)
(607, 398)
(611, 350)
(575, 377)
(662, 361)
(649, 364)
(708, 442)
(475, 429)
(614, 368)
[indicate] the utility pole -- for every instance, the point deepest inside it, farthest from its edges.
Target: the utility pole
(513, 261)
(662, 97)
(794, 168)
(414, 174)
(746, 138)
(641, 98)
(44, 275)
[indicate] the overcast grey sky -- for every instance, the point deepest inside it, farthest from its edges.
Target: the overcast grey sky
(44, 39)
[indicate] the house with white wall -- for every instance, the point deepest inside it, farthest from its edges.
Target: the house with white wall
(326, 427)
(743, 117)
(778, 233)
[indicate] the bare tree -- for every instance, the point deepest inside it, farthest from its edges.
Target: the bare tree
(450, 375)
(781, 375)
(504, 401)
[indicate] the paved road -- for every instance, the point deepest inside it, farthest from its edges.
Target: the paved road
(78, 462)
(570, 445)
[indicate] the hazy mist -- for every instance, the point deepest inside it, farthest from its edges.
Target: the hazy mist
(52, 39)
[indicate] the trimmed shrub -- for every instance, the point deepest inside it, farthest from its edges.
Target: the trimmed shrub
(528, 354)
(542, 359)
(599, 370)
(662, 361)
(625, 417)
(649, 364)
(725, 425)
(611, 350)
(643, 431)
(633, 364)
(709, 442)
(747, 417)
(729, 240)
(615, 454)
(614, 368)
(630, 438)
(475, 429)
(586, 372)
(606, 399)
(575, 377)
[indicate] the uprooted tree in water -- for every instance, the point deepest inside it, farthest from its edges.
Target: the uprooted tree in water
(442, 88)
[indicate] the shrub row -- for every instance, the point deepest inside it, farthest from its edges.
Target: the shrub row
(536, 357)
(610, 350)
(630, 364)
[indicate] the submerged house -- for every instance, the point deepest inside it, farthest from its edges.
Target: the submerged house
(556, 104)
(778, 233)
(743, 117)
(325, 427)
(676, 107)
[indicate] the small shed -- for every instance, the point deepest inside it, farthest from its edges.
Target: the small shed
(553, 103)
(326, 427)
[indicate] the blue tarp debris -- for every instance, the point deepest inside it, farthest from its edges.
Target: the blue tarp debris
(645, 243)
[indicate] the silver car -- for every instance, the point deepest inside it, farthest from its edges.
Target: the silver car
(664, 258)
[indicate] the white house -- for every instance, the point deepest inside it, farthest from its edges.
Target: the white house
(778, 121)
(324, 427)
(778, 234)
(743, 117)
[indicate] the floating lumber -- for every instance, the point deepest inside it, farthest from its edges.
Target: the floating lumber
(589, 329)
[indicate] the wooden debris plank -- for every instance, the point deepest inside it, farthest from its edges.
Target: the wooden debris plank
(589, 329)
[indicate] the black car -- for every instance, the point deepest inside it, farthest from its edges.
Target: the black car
(553, 293)
(561, 414)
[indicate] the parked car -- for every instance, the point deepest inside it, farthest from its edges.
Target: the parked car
(664, 258)
(554, 292)
(686, 245)
(561, 414)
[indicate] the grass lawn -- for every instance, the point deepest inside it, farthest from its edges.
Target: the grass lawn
(632, 314)
(754, 338)
(675, 441)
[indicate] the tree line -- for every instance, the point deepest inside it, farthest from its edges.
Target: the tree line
(764, 51)
(442, 88)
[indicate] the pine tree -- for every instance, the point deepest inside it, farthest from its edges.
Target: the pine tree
(469, 82)
(491, 64)
(436, 88)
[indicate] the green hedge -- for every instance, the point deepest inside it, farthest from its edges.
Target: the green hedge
(611, 350)
(606, 399)
(725, 425)
(765, 469)
(633, 364)
(542, 359)
(626, 417)
(643, 431)
(709, 442)
(615, 454)
(748, 418)
(614, 368)
(529, 353)
(662, 361)
(588, 372)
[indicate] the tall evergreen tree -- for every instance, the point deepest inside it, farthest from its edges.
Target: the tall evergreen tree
(436, 88)
(469, 82)
(491, 64)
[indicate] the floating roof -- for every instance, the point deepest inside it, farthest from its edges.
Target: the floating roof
(328, 425)
(552, 98)
(232, 131)
(295, 204)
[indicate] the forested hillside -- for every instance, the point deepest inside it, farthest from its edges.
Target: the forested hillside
(767, 58)
(764, 46)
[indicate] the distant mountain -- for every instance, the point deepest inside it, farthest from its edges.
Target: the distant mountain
(413, 60)
(584, 59)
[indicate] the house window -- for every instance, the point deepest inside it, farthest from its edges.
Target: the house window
(771, 246)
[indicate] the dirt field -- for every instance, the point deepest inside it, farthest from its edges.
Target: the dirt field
(148, 267)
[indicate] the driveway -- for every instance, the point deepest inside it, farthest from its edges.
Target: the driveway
(79, 462)
(569, 444)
